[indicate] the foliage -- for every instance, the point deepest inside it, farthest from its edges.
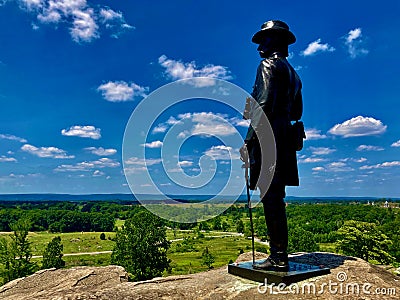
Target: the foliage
(207, 258)
(239, 226)
(364, 240)
(141, 246)
(15, 255)
(52, 256)
(102, 236)
(301, 240)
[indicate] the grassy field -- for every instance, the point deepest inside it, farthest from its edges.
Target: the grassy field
(185, 251)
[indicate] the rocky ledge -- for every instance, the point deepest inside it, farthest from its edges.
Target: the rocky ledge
(350, 278)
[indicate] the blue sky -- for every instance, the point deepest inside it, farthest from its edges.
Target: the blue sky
(73, 71)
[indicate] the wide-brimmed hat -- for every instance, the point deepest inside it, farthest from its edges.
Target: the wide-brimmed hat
(274, 26)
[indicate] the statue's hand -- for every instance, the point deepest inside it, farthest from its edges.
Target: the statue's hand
(244, 155)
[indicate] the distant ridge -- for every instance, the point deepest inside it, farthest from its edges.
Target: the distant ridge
(164, 199)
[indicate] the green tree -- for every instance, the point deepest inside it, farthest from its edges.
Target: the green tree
(141, 246)
(207, 259)
(15, 254)
(364, 240)
(216, 223)
(52, 256)
(102, 236)
(301, 240)
(240, 226)
(224, 226)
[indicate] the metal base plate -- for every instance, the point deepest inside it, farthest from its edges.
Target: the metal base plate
(297, 272)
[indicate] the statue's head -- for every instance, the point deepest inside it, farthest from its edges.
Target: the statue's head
(273, 36)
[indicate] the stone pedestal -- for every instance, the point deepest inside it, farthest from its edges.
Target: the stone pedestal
(297, 272)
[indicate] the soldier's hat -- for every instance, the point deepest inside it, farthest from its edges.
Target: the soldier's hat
(274, 26)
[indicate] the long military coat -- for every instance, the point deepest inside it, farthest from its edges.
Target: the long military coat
(277, 90)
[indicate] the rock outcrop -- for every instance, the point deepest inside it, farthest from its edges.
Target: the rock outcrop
(350, 278)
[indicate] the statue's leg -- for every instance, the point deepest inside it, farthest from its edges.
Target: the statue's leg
(275, 218)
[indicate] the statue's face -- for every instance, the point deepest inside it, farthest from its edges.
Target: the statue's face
(265, 47)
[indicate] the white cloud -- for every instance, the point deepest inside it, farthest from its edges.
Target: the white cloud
(203, 123)
(135, 164)
(107, 14)
(7, 159)
(314, 134)
(396, 144)
(369, 148)
(161, 128)
(84, 26)
(338, 167)
(360, 160)
(83, 131)
(311, 160)
(180, 70)
(240, 122)
(316, 47)
(50, 152)
(101, 151)
(321, 150)
(89, 166)
(209, 124)
(12, 138)
(120, 91)
(142, 162)
(388, 164)
(358, 126)
(318, 169)
(185, 163)
(154, 144)
(353, 42)
(98, 173)
(80, 16)
(223, 152)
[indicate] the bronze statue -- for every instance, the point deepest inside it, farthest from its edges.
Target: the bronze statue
(277, 90)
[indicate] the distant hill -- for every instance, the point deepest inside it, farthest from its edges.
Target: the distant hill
(164, 199)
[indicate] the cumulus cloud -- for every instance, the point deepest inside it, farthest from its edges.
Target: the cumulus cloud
(321, 150)
(98, 173)
(202, 77)
(185, 163)
(101, 151)
(315, 47)
(121, 91)
(7, 159)
(83, 131)
(50, 152)
(354, 43)
(314, 134)
(84, 27)
(161, 128)
(369, 148)
(135, 164)
(154, 144)
(388, 164)
(396, 144)
(12, 138)
(358, 126)
(203, 123)
(88, 165)
(222, 152)
(308, 160)
(318, 169)
(142, 162)
(82, 18)
(338, 167)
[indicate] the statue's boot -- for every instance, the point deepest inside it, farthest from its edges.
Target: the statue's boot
(275, 217)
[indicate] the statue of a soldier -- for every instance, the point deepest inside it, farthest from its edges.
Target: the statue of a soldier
(277, 90)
